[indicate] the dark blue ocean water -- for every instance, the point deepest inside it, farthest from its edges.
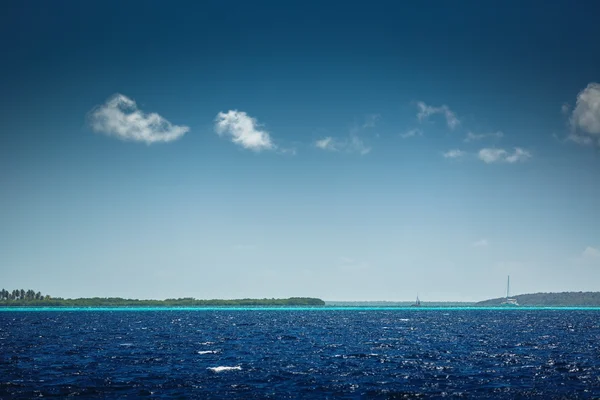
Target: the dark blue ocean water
(301, 354)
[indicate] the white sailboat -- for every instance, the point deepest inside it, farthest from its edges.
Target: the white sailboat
(509, 302)
(417, 303)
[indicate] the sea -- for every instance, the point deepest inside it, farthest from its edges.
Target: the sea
(300, 353)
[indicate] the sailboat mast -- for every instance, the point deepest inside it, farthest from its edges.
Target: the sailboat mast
(508, 287)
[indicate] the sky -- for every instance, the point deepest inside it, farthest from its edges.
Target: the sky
(340, 150)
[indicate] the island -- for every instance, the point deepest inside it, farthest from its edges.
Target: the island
(30, 298)
(563, 299)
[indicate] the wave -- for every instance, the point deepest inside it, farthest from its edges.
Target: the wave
(223, 368)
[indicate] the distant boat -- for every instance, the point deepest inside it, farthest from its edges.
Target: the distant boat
(417, 303)
(509, 302)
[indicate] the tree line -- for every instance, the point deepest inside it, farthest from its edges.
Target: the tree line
(20, 297)
(21, 294)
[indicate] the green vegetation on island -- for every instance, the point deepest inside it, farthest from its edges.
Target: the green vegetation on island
(29, 298)
(564, 299)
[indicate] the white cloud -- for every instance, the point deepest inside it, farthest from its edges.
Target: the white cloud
(120, 117)
(591, 253)
(565, 108)
(425, 111)
(326, 144)
(455, 153)
(492, 155)
(480, 243)
(473, 136)
(353, 144)
(411, 133)
(243, 130)
(518, 155)
(371, 120)
(586, 114)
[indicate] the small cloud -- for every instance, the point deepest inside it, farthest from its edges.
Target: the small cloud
(493, 155)
(471, 137)
(243, 130)
(291, 151)
(585, 117)
(455, 153)
(326, 144)
(480, 243)
(565, 108)
(518, 155)
(411, 133)
(353, 144)
(425, 111)
(121, 118)
(371, 120)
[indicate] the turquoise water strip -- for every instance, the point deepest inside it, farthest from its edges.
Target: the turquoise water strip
(316, 309)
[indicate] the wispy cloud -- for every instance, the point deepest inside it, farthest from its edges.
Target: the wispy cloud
(411, 133)
(353, 144)
(585, 117)
(480, 243)
(471, 137)
(518, 155)
(243, 130)
(455, 153)
(425, 111)
(356, 145)
(371, 120)
(121, 118)
(493, 155)
(581, 139)
(326, 143)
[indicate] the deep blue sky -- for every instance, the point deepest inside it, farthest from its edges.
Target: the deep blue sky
(349, 195)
